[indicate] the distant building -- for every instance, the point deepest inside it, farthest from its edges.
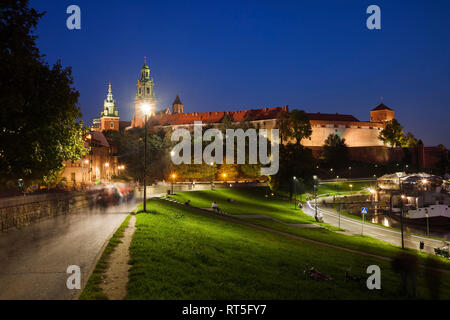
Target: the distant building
(356, 133)
(100, 164)
(109, 118)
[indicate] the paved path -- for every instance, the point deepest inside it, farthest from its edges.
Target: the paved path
(33, 260)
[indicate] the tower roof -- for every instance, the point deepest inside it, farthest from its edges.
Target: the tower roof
(381, 106)
(145, 66)
(177, 100)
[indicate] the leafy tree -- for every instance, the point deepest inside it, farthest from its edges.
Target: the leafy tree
(131, 152)
(295, 160)
(410, 141)
(39, 127)
(392, 134)
(335, 151)
(296, 126)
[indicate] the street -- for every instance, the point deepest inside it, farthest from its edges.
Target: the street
(382, 233)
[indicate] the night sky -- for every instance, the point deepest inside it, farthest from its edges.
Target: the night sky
(229, 55)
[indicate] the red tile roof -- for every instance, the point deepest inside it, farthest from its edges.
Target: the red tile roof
(331, 117)
(216, 117)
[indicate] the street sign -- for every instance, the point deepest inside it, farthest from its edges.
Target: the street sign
(363, 210)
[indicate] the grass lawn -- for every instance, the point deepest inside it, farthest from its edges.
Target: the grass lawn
(178, 253)
(254, 201)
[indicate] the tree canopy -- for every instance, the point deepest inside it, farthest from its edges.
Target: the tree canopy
(295, 126)
(39, 127)
(392, 134)
(335, 151)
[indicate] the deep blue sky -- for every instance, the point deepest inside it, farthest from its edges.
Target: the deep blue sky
(227, 55)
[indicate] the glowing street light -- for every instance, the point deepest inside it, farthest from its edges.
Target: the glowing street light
(173, 176)
(146, 108)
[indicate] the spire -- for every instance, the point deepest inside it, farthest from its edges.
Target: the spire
(109, 105)
(145, 71)
(177, 100)
(177, 105)
(145, 66)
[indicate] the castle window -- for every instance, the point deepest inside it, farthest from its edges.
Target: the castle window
(111, 125)
(148, 90)
(140, 91)
(323, 126)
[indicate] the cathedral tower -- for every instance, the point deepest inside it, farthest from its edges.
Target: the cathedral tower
(144, 95)
(109, 118)
(177, 106)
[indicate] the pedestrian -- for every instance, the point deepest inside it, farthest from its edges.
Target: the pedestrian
(215, 207)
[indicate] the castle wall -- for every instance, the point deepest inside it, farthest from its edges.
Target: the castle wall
(355, 135)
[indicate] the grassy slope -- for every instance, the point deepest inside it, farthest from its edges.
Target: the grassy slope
(253, 201)
(92, 291)
(178, 253)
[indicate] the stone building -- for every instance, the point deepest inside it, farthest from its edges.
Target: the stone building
(100, 164)
(356, 133)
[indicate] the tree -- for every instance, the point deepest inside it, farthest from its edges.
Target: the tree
(296, 126)
(410, 141)
(295, 160)
(39, 127)
(392, 134)
(130, 148)
(335, 151)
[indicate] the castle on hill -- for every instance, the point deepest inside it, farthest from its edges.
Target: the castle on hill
(356, 133)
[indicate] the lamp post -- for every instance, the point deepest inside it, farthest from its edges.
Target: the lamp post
(295, 192)
(350, 172)
(401, 221)
(173, 176)
(315, 197)
(145, 108)
(212, 174)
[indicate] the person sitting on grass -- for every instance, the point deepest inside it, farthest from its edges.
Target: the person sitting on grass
(215, 207)
(188, 203)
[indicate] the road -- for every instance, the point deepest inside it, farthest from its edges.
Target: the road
(354, 226)
(34, 260)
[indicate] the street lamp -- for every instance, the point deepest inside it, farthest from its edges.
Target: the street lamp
(173, 176)
(212, 175)
(401, 220)
(350, 172)
(315, 198)
(295, 192)
(145, 108)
